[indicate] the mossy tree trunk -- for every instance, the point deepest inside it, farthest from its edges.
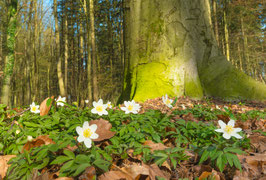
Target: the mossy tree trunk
(9, 49)
(170, 49)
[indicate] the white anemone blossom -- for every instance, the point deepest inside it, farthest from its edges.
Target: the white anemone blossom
(109, 104)
(168, 102)
(34, 108)
(228, 129)
(87, 133)
(60, 101)
(131, 107)
(99, 108)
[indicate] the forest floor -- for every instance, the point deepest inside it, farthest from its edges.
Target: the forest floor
(157, 143)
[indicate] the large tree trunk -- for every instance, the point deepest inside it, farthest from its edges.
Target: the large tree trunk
(9, 50)
(170, 49)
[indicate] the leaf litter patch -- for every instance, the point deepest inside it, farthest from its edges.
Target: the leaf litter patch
(161, 141)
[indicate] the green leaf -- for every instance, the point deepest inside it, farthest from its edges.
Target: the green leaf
(173, 160)
(48, 102)
(45, 162)
(219, 163)
(234, 150)
(81, 168)
(160, 161)
(237, 163)
(67, 166)
(204, 156)
(60, 160)
(30, 124)
(41, 154)
(229, 158)
(81, 158)
(70, 154)
(102, 164)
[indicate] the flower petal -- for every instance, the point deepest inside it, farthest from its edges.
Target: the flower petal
(126, 103)
(237, 135)
(94, 136)
(100, 101)
(226, 136)
(79, 130)
(93, 127)
(221, 124)
(237, 129)
(81, 138)
(87, 142)
(104, 112)
(94, 111)
(231, 123)
(94, 104)
(86, 125)
(219, 130)
(124, 108)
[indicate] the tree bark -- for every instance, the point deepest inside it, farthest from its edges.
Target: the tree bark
(93, 47)
(58, 54)
(66, 48)
(170, 49)
(216, 31)
(9, 48)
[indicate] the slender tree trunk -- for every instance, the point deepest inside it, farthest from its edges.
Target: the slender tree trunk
(89, 72)
(9, 48)
(245, 48)
(34, 44)
(58, 54)
(66, 48)
(216, 31)
(93, 47)
(226, 34)
(239, 55)
(110, 38)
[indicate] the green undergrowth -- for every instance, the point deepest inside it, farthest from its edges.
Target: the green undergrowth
(132, 131)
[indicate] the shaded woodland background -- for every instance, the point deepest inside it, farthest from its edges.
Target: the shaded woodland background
(75, 48)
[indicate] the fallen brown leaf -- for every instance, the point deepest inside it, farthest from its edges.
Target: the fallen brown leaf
(103, 129)
(154, 146)
(3, 164)
(44, 109)
(39, 141)
(253, 165)
(64, 178)
(88, 174)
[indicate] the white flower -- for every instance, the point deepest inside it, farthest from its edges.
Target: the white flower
(86, 101)
(99, 108)
(34, 108)
(17, 131)
(60, 101)
(109, 104)
(86, 133)
(167, 102)
(131, 107)
(183, 106)
(29, 138)
(229, 129)
(217, 107)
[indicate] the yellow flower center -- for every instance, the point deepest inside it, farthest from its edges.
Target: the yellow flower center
(229, 129)
(99, 108)
(87, 133)
(33, 108)
(130, 107)
(167, 101)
